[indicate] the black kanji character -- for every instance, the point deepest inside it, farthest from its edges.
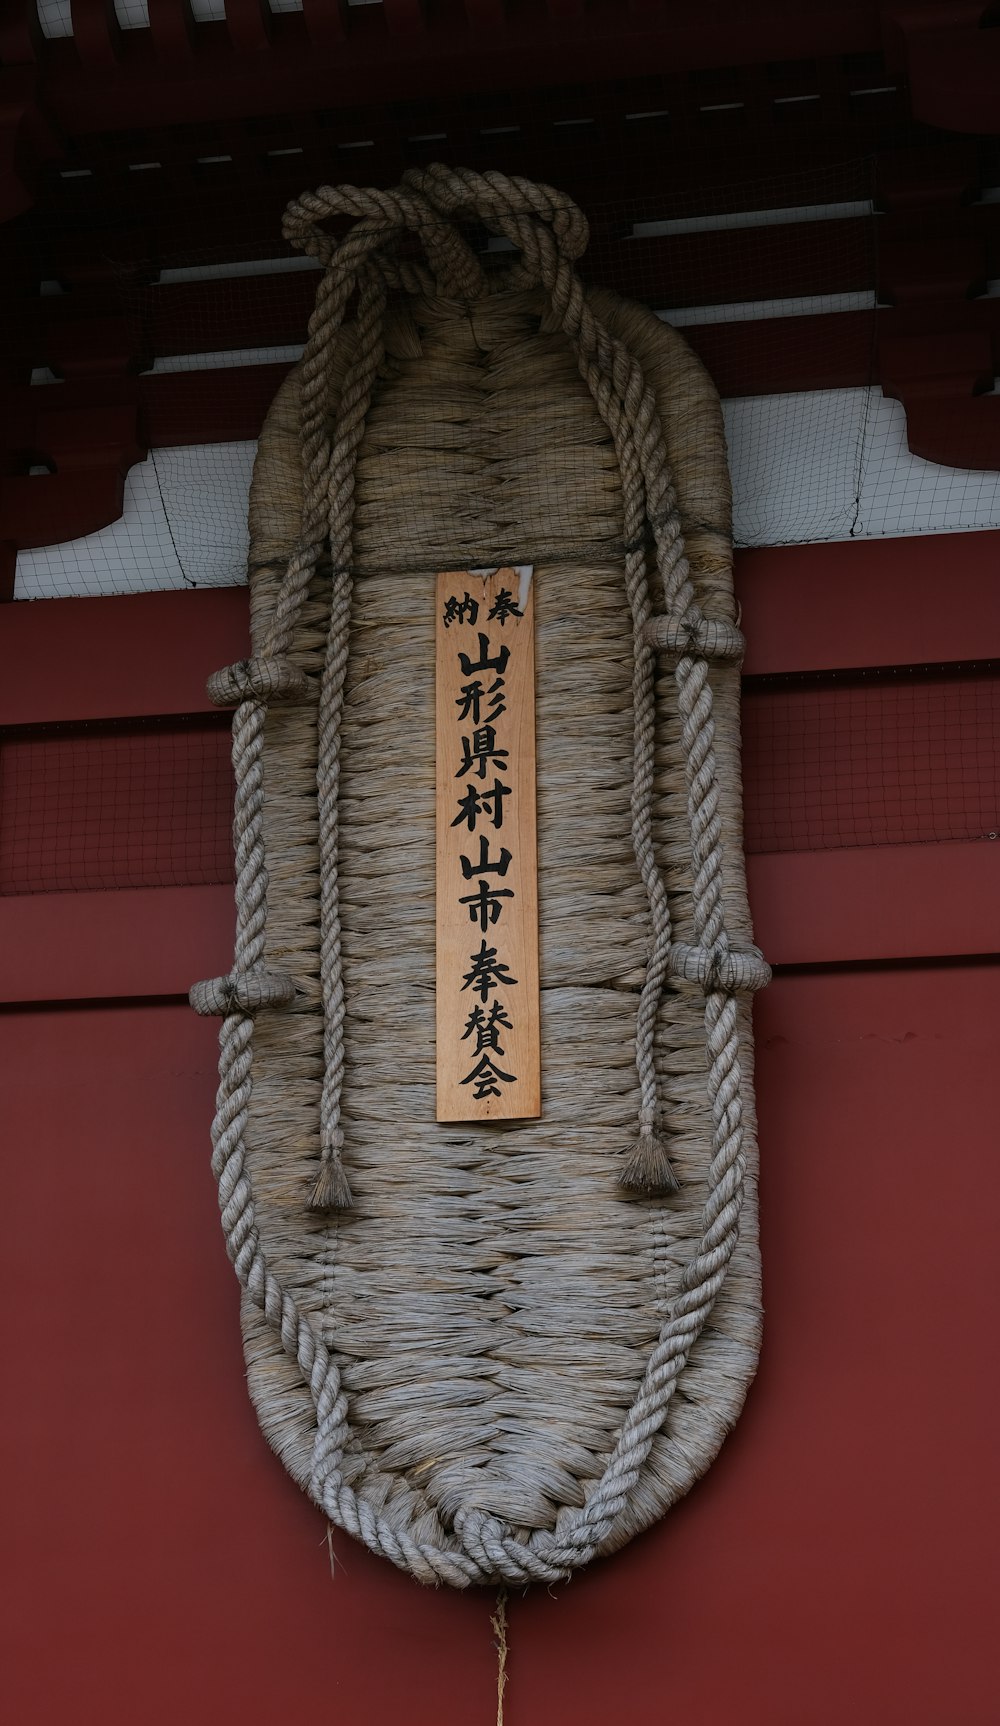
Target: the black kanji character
(484, 904)
(476, 802)
(485, 663)
(485, 1076)
(486, 1030)
(504, 606)
(479, 749)
(484, 866)
(487, 973)
(460, 610)
(473, 695)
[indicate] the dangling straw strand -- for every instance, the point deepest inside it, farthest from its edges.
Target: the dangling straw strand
(498, 1624)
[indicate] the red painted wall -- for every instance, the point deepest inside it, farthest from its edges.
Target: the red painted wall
(838, 1561)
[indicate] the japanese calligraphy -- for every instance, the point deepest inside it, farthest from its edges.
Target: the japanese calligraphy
(457, 610)
(486, 865)
(503, 606)
(484, 663)
(473, 697)
(484, 1076)
(479, 750)
(487, 892)
(477, 801)
(486, 1027)
(488, 972)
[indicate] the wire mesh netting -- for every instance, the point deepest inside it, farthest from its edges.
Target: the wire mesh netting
(839, 469)
(88, 807)
(896, 757)
(880, 758)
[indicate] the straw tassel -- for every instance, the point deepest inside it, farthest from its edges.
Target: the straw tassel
(648, 1169)
(332, 1191)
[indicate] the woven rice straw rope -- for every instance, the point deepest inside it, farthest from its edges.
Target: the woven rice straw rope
(525, 1340)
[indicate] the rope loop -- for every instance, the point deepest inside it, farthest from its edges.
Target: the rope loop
(519, 210)
(702, 637)
(384, 218)
(720, 968)
(244, 992)
(258, 679)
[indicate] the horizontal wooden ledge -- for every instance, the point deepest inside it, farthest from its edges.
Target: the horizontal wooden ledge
(810, 908)
(106, 945)
(245, 205)
(316, 63)
(124, 657)
(774, 355)
(680, 269)
(876, 903)
(928, 599)
(217, 403)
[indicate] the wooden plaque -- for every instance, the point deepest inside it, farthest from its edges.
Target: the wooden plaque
(488, 1044)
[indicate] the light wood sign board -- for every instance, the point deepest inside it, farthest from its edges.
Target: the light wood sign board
(488, 1045)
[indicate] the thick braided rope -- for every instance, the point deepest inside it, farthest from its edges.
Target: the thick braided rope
(490, 1548)
(236, 1201)
(353, 412)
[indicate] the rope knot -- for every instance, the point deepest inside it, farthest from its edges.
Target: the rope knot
(244, 992)
(720, 969)
(699, 637)
(257, 679)
(383, 219)
(483, 1536)
(528, 213)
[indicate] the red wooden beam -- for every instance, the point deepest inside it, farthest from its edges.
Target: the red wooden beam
(89, 450)
(234, 210)
(783, 261)
(924, 599)
(916, 600)
(132, 941)
(938, 270)
(249, 25)
(951, 60)
(920, 600)
(97, 35)
(147, 654)
(961, 433)
(771, 356)
(679, 270)
(878, 903)
(401, 51)
(326, 23)
(228, 406)
(171, 25)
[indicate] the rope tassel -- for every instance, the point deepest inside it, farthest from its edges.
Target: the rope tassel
(332, 1190)
(648, 1168)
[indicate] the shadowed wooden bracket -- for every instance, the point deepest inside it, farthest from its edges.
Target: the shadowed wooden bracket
(950, 57)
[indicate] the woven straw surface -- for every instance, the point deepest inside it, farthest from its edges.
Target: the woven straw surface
(493, 1297)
